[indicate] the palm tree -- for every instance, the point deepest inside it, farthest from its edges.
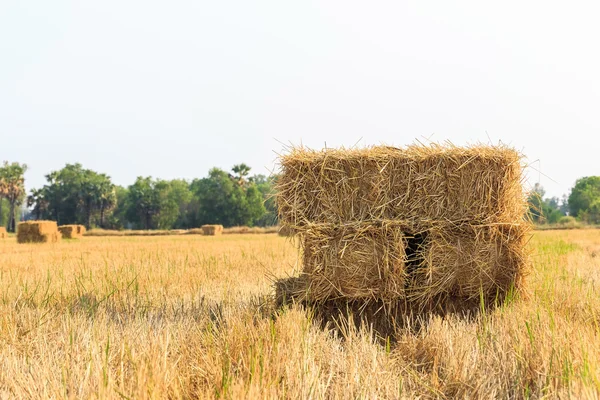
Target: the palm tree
(13, 189)
(108, 198)
(241, 170)
(3, 191)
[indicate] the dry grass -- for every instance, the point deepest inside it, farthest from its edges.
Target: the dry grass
(3, 233)
(192, 317)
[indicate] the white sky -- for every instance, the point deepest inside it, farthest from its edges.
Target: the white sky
(171, 89)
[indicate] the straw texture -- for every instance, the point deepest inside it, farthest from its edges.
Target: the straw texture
(424, 224)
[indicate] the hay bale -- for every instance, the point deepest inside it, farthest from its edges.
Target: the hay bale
(424, 225)
(3, 233)
(421, 185)
(212, 230)
(38, 232)
(72, 231)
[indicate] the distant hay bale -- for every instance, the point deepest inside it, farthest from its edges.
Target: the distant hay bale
(38, 232)
(212, 230)
(420, 225)
(72, 231)
(3, 233)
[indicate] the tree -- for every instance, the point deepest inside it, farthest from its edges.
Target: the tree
(221, 199)
(181, 196)
(585, 192)
(12, 188)
(535, 201)
(74, 195)
(153, 204)
(241, 171)
(143, 202)
(266, 187)
(542, 210)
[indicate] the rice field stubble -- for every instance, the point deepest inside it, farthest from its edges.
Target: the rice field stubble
(192, 317)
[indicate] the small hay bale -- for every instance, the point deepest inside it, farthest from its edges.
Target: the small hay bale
(212, 230)
(3, 233)
(426, 226)
(72, 231)
(38, 232)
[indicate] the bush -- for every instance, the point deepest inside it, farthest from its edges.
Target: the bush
(567, 220)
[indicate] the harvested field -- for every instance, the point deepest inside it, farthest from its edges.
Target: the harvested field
(193, 317)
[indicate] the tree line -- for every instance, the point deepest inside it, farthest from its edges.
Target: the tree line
(75, 195)
(582, 203)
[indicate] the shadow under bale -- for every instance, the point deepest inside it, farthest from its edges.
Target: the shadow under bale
(385, 319)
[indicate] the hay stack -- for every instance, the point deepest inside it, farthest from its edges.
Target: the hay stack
(3, 233)
(72, 231)
(212, 230)
(423, 225)
(38, 232)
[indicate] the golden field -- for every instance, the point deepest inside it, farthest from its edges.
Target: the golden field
(193, 317)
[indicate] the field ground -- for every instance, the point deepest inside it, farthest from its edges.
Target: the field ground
(191, 316)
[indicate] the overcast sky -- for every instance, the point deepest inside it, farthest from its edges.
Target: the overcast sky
(173, 88)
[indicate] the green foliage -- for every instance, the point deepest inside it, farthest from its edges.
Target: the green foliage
(77, 195)
(226, 200)
(584, 194)
(554, 216)
(157, 204)
(74, 195)
(567, 220)
(180, 195)
(542, 211)
(265, 186)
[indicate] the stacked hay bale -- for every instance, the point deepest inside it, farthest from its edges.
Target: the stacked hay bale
(38, 232)
(3, 233)
(212, 230)
(425, 226)
(72, 231)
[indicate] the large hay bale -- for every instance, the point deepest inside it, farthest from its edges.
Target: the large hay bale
(421, 225)
(72, 231)
(212, 230)
(38, 232)
(3, 233)
(420, 185)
